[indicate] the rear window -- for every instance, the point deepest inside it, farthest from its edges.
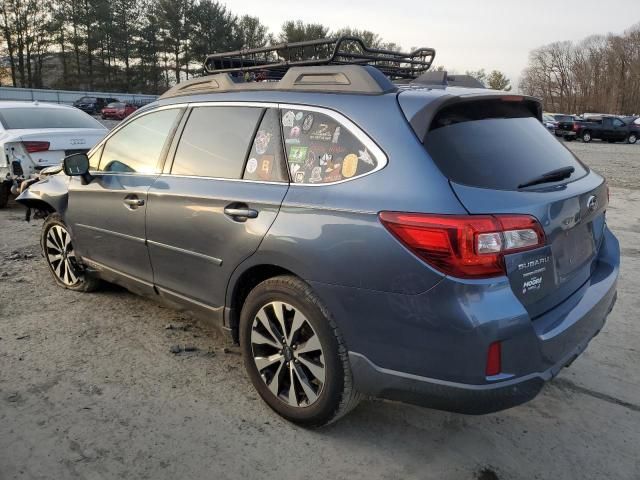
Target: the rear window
(115, 105)
(564, 118)
(88, 99)
(496, 145)
(39, 117)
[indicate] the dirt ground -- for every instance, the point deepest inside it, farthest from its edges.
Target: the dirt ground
(89, 389)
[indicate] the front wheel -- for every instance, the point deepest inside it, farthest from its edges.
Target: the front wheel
(586, 137)
(633, 138)
(294, 354)
(57, 249)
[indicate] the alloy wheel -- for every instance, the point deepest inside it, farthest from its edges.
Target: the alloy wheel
(60, 255)
(287, 354)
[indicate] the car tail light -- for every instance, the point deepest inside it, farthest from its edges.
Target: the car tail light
(466, 246)
(576, 127)
(33, 147)
(494, 359)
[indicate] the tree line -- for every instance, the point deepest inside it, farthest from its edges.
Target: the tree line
(130, 45)
(599, 74)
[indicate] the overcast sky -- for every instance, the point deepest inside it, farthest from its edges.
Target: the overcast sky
(467, 34)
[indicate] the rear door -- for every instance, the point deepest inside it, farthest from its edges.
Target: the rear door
(107, 215)
(488, 151)
(221, 191)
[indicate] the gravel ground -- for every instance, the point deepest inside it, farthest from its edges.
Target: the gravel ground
(89, 389)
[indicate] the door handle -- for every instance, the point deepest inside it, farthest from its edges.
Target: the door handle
(133, 202)
(240, 214)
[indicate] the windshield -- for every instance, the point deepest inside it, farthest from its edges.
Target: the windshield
(115, 105)
(87, 99)
(494, 145)
(39, 117)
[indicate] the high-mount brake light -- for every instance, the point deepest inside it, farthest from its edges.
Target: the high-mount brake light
(33, 147)
(465, 246)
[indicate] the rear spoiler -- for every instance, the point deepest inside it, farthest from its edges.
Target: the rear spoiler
(420, 118)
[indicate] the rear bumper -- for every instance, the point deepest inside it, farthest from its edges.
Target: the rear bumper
(456, 397)
(430, 349)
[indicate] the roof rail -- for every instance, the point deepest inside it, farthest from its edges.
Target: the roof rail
(325, 78)
(442, 78)
(272, 62)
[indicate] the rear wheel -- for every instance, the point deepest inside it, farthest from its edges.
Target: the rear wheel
(633, 138)
(294, 354)
(586, 136)
(57, 248)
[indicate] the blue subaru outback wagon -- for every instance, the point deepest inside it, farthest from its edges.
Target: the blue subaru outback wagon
(416, 241)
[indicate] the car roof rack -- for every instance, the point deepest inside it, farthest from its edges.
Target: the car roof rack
(273, 62)
(442, 78)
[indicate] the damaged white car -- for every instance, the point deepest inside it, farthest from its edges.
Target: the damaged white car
(34, 136)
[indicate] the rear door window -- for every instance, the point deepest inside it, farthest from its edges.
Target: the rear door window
(215, 141)
(320, 149)
(496, 145)
(266, 160)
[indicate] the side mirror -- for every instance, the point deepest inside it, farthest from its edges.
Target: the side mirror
(77, 165)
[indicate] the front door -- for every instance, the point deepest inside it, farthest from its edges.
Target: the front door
(217, 200)
(107, 215)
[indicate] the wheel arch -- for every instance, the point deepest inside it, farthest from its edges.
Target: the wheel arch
(240, 285)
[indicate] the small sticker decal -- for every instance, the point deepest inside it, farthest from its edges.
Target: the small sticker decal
(336, 135)
(325, 159)
(365, 157)
(262, 141)
(252, 165)
(322, 133)
(349, 165)
(294, 132)
(315, 175)
(333, 175)
(266, 165)
(294, 169)
(298, 116)
(311, 159)
(307, 123)
(298, 177)
(298, 154)
(288, 118)
(292, 141)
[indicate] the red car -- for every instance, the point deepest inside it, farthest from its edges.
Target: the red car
(118, 110)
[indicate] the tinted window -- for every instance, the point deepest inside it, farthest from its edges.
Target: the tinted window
(266, 161)
(87, 99)
(42, 117)
(138, 145)
(321, 150)
(497, 145)
(215, 141)
(618, 123)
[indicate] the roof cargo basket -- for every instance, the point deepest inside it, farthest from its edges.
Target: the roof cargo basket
(442, 78)
(271, 63)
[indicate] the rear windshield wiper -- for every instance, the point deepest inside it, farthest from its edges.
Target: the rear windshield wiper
(552, 176)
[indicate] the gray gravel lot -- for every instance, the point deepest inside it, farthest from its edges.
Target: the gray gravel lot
(90, 390)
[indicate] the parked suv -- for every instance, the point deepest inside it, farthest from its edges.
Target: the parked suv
(93, 105)
(430, 245)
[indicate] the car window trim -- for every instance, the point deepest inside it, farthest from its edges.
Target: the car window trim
(339, 117)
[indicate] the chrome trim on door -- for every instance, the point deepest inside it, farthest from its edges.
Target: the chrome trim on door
(208, 258)
(111, 232)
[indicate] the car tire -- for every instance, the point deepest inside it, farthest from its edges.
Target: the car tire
(57, 249)
(309, 354)
(633, 138)
(5, 192)
(586, 136)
